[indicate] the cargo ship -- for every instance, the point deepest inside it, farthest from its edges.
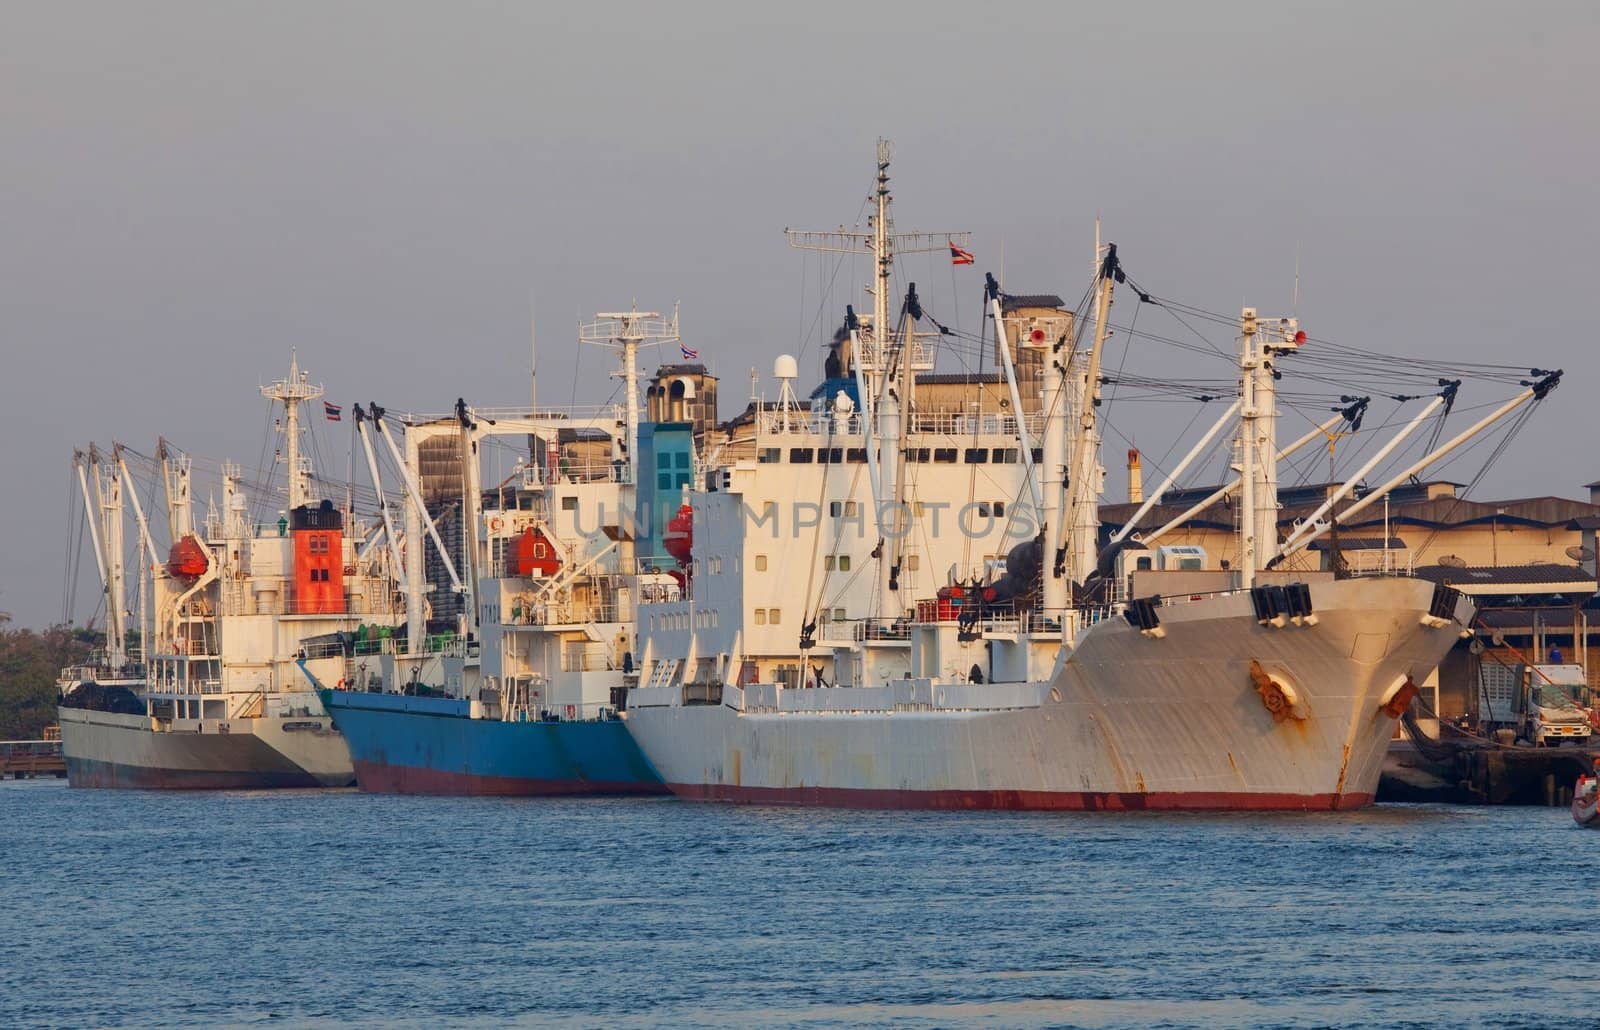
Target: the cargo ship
(1025, 658)
(216, 699)
(549, 576)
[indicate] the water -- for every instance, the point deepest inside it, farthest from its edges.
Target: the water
(291, 908)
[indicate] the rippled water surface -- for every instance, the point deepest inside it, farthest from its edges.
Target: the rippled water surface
(331, 908)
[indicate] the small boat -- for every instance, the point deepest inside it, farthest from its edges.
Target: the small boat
(1586, 802)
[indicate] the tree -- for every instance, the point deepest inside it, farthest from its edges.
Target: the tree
(29, 664)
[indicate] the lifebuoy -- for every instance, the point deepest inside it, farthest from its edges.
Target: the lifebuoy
(497, 523)
(572, 711)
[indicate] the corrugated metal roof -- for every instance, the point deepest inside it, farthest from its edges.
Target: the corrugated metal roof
(1536, 574)
(1360, 543)
(958, 378)
(1013, 301)
(1437, 513)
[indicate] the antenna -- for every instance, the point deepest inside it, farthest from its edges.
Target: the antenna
(883, 245)
(291, 393)
(627, 330)
(1294, 306)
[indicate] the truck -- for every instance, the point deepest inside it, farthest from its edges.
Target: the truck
(1544, 705)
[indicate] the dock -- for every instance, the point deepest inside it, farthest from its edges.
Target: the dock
(1478, 772)
(32, 759)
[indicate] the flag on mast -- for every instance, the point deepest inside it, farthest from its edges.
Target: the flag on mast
(333, 411)
(689, 355)
(959, 256)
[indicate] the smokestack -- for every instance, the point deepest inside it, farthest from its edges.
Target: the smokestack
(1135, 478)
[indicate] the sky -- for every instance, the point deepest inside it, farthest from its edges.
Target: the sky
(188, 191)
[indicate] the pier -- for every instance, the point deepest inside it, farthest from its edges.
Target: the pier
(1478, 772)
(31, 759)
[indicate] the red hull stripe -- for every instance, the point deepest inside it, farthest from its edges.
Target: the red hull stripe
(378, 778)
(1037, 800)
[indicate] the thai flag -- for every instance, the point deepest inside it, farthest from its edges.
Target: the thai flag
(689, 355)
(959, 256)
(333, 411)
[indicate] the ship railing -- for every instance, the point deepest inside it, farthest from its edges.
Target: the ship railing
(587, 711)
(662, 593)
(880, 629)
(191, 686)
(564, 613)
(1379, 562)
(911, 695)
(810, 423)
(322, 649)
(566, 470)
(1099, 613)
(966, 424)
(607, 567)
(576, 414)
(592, 658)
(285, 602)
(14, 749)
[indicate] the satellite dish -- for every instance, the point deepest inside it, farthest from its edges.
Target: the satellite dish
(1580, 554)
(1454, 561)
(1476, 647)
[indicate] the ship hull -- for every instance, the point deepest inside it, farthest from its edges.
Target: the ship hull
(416, 745)
(1129, 722)
(106, 750)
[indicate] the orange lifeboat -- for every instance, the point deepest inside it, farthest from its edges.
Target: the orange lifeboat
(534, 554)
(679, 537)
(187, 559)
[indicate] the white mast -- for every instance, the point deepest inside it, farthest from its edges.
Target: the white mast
(91, 510)
(1257, 441)
(627, 330)
(291, 393)
(1006, 363)
(884, 411)
(150, 546)
(1247, 449)
(391, 539)
(175, 481)
(1053, 503)
(471, 499)
(108, 498)
(1084, 482)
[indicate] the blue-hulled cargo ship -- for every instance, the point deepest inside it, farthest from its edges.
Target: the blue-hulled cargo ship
(518, 650)
(432, 745)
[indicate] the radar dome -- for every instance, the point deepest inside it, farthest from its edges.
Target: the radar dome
(785, 367)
